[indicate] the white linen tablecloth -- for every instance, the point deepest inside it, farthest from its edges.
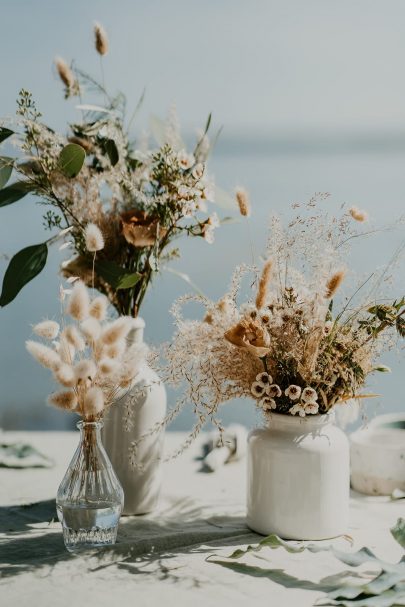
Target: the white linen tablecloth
(160, 559)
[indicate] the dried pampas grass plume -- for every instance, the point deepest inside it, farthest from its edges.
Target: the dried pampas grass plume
(93, 238)
(91, 329)
(116, 330)
(93, 401)
(85, 370)
(48, 329)
(108, 366)
(79, 302)
(45, 356)
(65, 73)
(73, 337)
(264, 284)
(64, 400)
(101, 40)
(334, 283)
(358, 214)
(242, 198)
(98, 308)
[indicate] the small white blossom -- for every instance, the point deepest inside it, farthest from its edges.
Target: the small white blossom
(274, 391)
(214, 221)
(327, 328)
(257, 389)
(198, 171)
(293, 392)
(298, 408)
(94, 238)
(268, 404)
(264, 379)
(185, 160)
(311, 408)
(309, 395)
(208, 194)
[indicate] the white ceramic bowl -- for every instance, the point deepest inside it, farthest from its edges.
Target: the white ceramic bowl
(377, 455)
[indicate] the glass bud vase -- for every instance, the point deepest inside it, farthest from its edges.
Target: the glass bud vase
(90, 498)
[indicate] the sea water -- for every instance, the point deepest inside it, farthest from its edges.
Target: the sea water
(86, 527)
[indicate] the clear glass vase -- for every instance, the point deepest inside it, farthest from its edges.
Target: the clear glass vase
(90, 498)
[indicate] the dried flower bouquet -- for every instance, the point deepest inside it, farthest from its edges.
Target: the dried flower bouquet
(291, 346)
(141, 199)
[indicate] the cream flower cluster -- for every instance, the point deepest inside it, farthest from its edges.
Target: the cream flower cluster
(92, 358)
(266, 392)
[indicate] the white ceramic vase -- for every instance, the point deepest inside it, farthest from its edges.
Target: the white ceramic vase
(147, 399)
(298, 478)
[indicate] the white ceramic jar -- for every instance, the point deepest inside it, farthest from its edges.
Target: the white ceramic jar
(298, 478)
(147, 399)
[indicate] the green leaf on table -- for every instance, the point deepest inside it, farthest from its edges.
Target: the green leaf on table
(398, 532)
(23, 267)
(71, 159)
(5, 133)
(6, 168)
(14, 192)
(116, 276)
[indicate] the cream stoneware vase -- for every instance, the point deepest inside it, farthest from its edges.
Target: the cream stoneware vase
(298, 478)
(147, 398)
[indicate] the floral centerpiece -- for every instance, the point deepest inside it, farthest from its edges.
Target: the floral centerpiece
(92, 361)
(140, 198)
(299, 353)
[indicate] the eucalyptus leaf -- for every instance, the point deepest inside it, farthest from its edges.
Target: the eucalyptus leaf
(14, 192)
(71, 159)
(111, 151)
(116, 276)
(6, 168)
(23, 267)
(5, 133)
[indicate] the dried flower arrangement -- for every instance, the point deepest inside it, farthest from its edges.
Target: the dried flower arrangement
(288, 347)
(139, 199)
(91, 358)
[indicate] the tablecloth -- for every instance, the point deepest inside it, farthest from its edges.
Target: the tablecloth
(163, 558)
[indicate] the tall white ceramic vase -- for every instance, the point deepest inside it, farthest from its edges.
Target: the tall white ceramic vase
(148, 403)
(298, 478)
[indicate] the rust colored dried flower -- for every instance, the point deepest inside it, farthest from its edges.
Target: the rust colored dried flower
(65, 73)
(334, 283)
(358, 214)
(250, 335)
(140, 230)
(263, 284)
(101, 40)
(242, 198)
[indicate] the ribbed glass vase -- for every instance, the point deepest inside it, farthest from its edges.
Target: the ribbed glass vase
(90, 498)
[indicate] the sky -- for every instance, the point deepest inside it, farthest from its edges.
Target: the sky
(310, 95)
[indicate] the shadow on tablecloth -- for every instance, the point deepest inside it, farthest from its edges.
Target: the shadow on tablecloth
(32, 539)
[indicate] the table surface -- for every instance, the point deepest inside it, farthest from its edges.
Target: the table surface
(162, 557)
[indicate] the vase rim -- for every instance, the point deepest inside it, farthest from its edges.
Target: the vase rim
(92, 424)
(292, 421)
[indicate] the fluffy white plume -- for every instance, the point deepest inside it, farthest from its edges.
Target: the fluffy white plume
(93, 238)
(93, 401)
(73, 337)
(85, 369)
(64, 400)
(66, 350)
(48, 329)
(44, 355)
(65, 375)
(133, 360)
(116, 330)
(108, 366)
(91, 329)
(98, 307)
(117, 349)
(79, 301)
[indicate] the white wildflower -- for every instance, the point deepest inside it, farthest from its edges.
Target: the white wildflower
(185, 160)
(258, 389)
(327, 328)
(93, 238)
(274, 391)
(311, 408)
(309, 395)
(298, 408)
(198, 171)
(267, 404)
(264, 379)
(293, 392)
(48, 329)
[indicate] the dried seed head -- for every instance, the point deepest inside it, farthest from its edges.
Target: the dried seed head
(45, 356)
(63, 400)
(358, 214)
(93, 238)
(65, 73)
(93, 401)
(79, 301)
(101, 40)
(48, 329)
(263, 284)
(243, 201)
(98, 307)
(334, 283)
(73, 337)
(65, 375)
